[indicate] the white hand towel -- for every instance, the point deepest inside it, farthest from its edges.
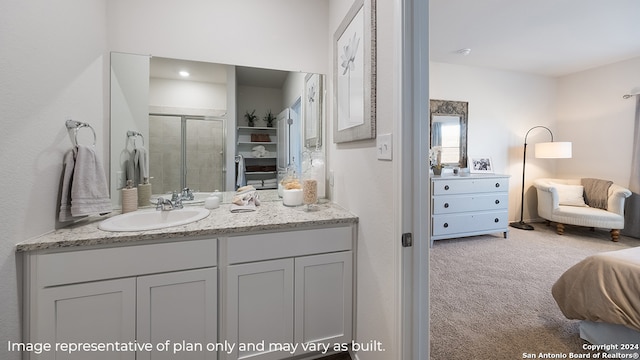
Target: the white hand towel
(67, 179)
(241, 179)
(141, 165)
(89, 191)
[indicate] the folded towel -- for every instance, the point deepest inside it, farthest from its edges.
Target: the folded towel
(254, 182)
(270, 181)
(141, 165)
(596, 192)
(84, 188)
(246, 199)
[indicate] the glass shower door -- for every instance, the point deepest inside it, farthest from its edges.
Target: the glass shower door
(204, 153)
(186, 151)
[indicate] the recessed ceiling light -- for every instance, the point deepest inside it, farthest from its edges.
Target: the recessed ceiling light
(464, 52)
(184, 73)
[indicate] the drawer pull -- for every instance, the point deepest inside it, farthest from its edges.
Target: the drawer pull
(497, 185)
(446, 225)
(446, 187)
(446, 205)
(497, 202)
(496, 220)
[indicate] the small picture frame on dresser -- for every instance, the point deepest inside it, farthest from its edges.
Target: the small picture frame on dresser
(481, 165)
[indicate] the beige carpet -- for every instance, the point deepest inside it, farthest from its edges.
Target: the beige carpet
(490, 297)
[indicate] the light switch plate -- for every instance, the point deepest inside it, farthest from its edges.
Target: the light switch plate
(384, 144)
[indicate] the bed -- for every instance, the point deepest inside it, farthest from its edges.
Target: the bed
(603, 290)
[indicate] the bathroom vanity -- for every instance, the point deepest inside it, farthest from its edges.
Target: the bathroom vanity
(230, 286)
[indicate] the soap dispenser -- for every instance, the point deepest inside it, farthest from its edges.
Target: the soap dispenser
(129, 198)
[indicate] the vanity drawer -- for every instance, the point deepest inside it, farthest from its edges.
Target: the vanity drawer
(463, 203)
(469, 185)
(109, 263)
(469, 223)
(277, 245)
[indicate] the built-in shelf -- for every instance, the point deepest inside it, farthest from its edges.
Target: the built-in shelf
(244, 147)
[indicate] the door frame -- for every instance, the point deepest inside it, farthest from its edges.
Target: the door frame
(414, 190)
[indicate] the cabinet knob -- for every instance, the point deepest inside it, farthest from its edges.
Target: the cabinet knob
(497, 202)
(496, 220)
(446, 225)
(446, 187)
(446, 205)
(497, 185)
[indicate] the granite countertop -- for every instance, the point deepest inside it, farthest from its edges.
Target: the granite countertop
(271, 215)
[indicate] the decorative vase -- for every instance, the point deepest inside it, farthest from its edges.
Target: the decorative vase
(437, 170)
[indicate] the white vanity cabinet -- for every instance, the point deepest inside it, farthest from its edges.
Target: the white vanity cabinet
(469, 205)
(288, 288)
(149, 293)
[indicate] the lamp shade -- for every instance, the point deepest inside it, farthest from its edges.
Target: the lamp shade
(553, 150)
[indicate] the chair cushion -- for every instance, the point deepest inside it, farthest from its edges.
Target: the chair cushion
(570, 195)
(587, 216)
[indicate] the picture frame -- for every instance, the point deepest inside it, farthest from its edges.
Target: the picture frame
(312, 111)
(481, 165)
(354, 74)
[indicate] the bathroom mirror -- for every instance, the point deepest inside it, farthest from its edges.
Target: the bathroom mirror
(188, 125)
(449, 130)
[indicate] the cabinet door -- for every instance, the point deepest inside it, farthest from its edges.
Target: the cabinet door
(180, 307)
(259, 308)
(323, 299)
(99, 312)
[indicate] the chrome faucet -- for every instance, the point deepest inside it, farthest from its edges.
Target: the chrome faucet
(167, 205)
(185, 194)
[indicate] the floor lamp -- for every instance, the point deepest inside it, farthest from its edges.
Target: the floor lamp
(547, 150)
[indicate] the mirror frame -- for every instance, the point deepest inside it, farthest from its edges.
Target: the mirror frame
(452, 108)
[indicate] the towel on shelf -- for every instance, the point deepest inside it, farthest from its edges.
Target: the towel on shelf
(254, 182)
(269, 182)
(259, 151)
(246, 199)
(84, 187)
(140, 164)
(240, 178)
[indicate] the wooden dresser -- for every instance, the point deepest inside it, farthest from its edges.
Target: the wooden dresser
(469, 205)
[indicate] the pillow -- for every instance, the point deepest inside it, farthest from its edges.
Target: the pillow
(570, 195)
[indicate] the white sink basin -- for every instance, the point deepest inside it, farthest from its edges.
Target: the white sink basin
(153, 219)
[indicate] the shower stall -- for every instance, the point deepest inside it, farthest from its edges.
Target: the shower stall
(186, 152)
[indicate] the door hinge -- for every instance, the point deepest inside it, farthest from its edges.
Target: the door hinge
(407, 240)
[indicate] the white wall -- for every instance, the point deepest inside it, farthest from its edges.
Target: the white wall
(503, 105)
(593, 115)
(187, 94)
(53, 66)
(276, 34)
(365, 186)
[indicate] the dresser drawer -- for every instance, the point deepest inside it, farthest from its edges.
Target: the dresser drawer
(468, 223)
(469, 185)
(462, 203)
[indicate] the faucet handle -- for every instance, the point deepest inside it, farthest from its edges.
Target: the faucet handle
(160, 204)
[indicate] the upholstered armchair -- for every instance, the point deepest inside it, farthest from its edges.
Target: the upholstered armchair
(582, 202)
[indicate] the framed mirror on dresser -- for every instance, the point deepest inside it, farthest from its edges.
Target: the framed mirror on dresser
(449, 130)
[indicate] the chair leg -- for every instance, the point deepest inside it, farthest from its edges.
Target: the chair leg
(560, 229)
(615, 234)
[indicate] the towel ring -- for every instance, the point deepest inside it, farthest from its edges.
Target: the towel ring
(135, 134)
(77, 125)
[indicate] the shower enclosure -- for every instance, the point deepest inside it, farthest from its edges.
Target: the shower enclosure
(186, 152)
